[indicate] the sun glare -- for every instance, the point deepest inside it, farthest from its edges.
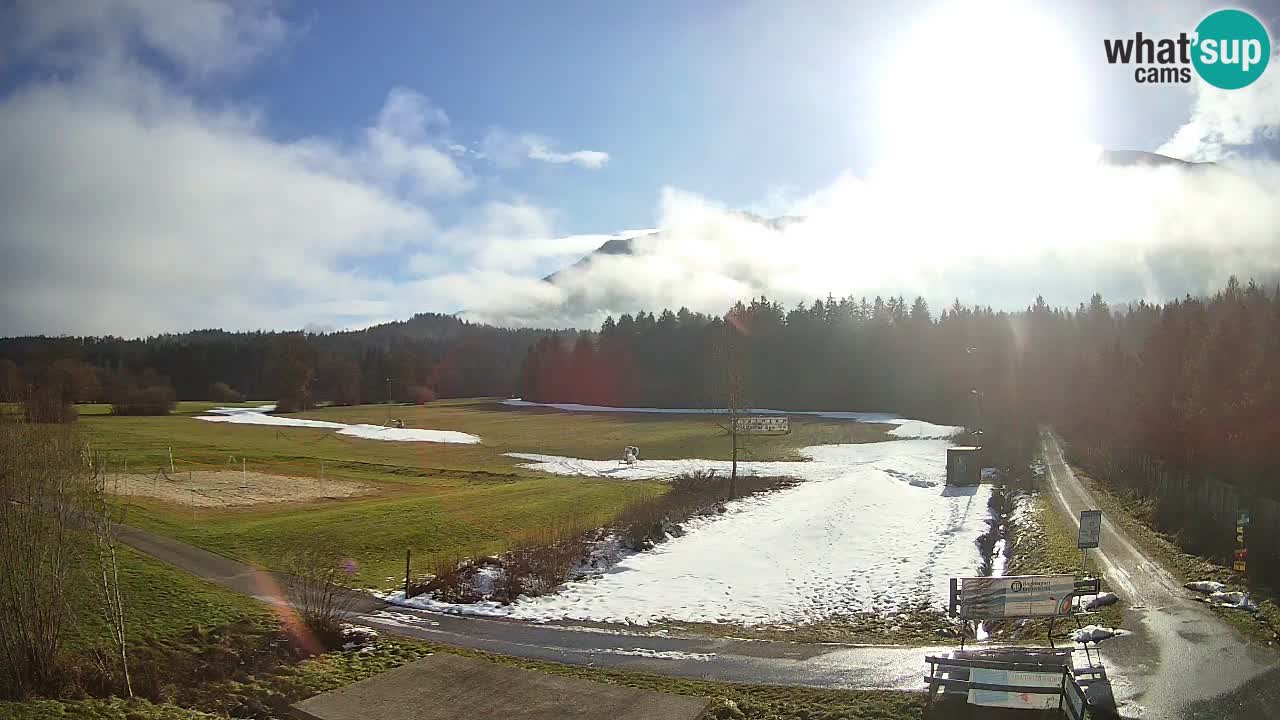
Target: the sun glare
(995, 84)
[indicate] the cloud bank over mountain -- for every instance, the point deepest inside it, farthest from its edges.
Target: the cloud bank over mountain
(134, 204)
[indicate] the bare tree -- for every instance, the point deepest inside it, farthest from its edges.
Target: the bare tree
(102, 521)
(729, 358)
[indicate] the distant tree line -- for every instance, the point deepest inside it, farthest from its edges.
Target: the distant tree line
(846, 354)
(1194, 383)
(417, 360)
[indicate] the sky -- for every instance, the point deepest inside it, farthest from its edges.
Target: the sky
(252, 164)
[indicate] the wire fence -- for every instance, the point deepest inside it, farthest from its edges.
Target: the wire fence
(1201, 510)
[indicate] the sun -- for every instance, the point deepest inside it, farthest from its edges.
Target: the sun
(995, 83)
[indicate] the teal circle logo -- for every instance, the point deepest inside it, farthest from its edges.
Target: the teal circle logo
(1232, 49)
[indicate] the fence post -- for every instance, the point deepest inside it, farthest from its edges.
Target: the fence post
(171, 470)
(406, 573)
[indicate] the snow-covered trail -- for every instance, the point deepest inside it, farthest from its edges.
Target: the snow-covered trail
(872, 528)
(906, 428)
(257, 416)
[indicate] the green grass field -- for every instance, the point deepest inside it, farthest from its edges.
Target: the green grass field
(433, 499)
(161, 602)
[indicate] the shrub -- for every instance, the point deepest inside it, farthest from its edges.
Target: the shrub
(42, 500)
(154, 400)
(316, 584)
(48, 405)
(222, 392)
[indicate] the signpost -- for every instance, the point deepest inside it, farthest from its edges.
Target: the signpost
(1242, 552)
(1015, 596)
(762, 425)
(752, 425)
(1090, 529)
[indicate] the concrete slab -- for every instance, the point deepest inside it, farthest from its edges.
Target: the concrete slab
(444, 686)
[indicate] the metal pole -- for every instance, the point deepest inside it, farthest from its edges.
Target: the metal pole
(733, 477)
(406, 573)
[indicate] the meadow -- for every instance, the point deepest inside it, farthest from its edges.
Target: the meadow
(436, 500)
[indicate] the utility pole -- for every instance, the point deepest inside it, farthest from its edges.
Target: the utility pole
(972, 352)
(733, 474)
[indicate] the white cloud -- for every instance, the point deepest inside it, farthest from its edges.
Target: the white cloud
(129, 207)
(997, 238)
(512, 149)
(1222, 120)
(202, 38)
(399, 148)
(124, 222)
(593, 159)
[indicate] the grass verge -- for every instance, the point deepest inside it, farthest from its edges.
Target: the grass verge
(1127, 511)
(161, 603)
(908, 627)
(1045, 544)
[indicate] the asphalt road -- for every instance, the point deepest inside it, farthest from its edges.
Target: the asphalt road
(746, 661)
(1182, 660)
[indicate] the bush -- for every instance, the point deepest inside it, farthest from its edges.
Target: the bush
(316, 584)
(154, 400)
(45, 490)
(222, 392)
(47, 405)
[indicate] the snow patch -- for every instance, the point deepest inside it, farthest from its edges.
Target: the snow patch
(256, 416)
(827, 462)
(401, 620)
(1094, 634)
(661, 654)
(1101, 601)
(907, 428)
(1206, 586)
(856, 536)
(1234, 600)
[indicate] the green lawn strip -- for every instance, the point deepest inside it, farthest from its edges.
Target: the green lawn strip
(1126, 509)
(1045, 544)
(161, 603)
(473, 519)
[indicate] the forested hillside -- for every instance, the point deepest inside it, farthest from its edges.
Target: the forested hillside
(429, 353)
(1194, 383)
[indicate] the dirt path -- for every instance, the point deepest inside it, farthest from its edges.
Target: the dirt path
(1183, 661)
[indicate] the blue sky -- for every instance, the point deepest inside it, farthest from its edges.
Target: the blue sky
(338, 164)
